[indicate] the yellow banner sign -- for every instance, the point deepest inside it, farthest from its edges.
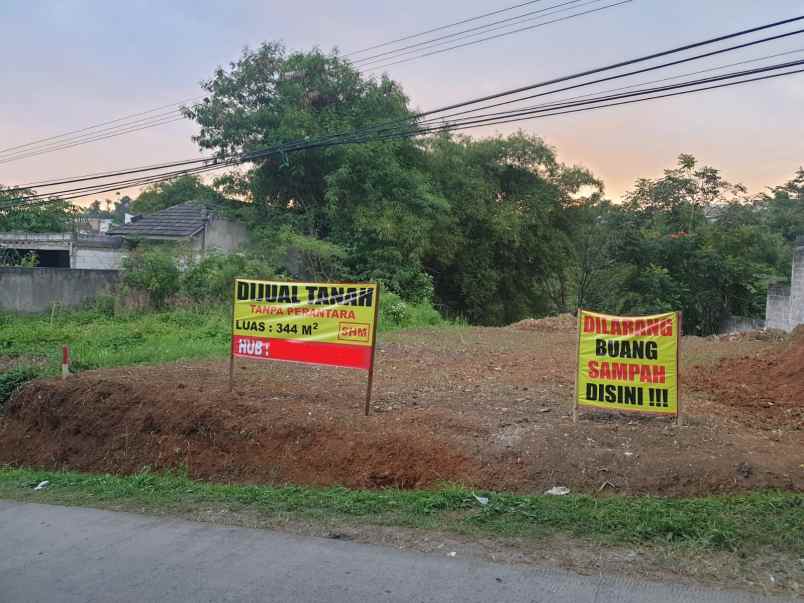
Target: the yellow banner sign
(317, 323)
(628, 363)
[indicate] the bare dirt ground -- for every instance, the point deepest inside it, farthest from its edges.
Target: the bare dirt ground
(488, 408)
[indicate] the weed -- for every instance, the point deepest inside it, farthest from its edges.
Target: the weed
(743, 524)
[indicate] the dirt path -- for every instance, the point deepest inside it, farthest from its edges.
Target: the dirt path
(485, 407)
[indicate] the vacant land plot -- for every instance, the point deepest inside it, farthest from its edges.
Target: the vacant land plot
(487, 408)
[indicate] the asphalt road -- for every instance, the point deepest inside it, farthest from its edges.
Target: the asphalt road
(55, 554)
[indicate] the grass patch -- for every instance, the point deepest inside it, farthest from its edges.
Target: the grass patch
(97, 340)
(734, 523)
(100, 339)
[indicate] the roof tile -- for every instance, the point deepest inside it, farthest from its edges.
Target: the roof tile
(183, 220)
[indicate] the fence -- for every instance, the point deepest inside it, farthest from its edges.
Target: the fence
(31, 290)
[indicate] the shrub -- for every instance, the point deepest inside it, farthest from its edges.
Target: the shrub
(398, 314)
(11, 380)
(154, 271)
(212, 278)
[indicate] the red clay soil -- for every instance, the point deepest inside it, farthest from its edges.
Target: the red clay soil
(765, 391)
(488, 408)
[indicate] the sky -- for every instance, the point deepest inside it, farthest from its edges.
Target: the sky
(73, 63)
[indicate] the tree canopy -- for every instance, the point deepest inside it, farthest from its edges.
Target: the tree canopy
(489, 229)
(53, 216)
(172, 192)
(492, 229)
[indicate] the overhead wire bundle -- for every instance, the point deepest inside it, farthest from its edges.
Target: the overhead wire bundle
(475, 112)
(171, 113)
(158, 116)
(478, 34)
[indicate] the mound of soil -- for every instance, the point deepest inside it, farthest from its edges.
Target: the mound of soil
(487, 408)
(565, 323)
(766, 390)
(96, 423)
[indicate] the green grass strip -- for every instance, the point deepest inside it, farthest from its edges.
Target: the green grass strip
(99, 340)
(735, 523)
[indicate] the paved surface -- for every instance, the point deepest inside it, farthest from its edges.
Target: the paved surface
(56, 554)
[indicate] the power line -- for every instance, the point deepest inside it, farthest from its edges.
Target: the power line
(501, 35)
(687, 74)
(119, 132)
(165, 121)
(627, 63)
(627, 74)
(86, 135)
(605, 97)
(385, 129)
(443, 27)
(486, 122)
(105, 123)
(166, 118)
(619, 65)
(418, 116)
(516, 19)
(518, 119)
(548, 110)
(125, 125)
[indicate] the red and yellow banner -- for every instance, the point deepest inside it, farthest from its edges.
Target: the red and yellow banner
(628, 363)
(314, 323)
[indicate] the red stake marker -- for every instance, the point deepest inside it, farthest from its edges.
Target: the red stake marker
(65, 362)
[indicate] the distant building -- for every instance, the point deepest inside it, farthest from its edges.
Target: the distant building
(97, 244)
(192, 222)
(66, 250)
(94, 225)
(75, 267)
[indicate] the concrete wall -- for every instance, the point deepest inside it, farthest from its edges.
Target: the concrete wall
(797, 286)
(777, 307)
(97, 259)
(61, 241)
(225, 235)
(784, 308)
(31, 290)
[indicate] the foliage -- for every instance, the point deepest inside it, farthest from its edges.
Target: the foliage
(10, 380)
(12, 258)
(493, 230)
(686, 241)
(212, 278)
(109, 335)
(105, 337)
(269, 96)
(745, 524)
(476, 226)
(359, 212)
(783, 208)
(679, 201)
(53, 216)
(154, 271)
(398, 314)
(503, 250)
(172, 192)
(292, 253)
(115, 211)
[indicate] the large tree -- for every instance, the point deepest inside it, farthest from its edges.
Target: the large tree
(505, 250)
(372, 202)
(784, 207)
(694, 243)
